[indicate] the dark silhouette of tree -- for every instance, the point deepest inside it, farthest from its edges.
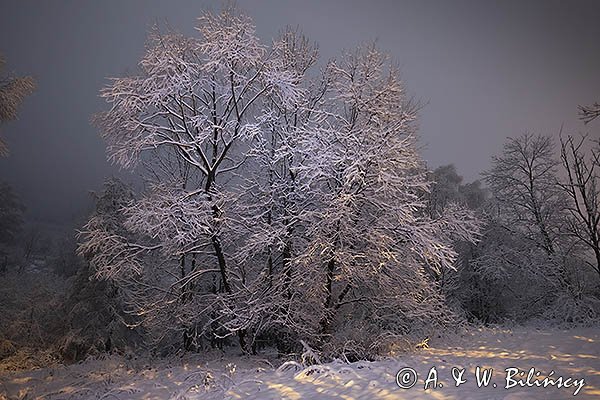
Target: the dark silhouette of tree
(11, 220)
(11, 214)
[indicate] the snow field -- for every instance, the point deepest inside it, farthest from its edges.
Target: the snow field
(569, 353)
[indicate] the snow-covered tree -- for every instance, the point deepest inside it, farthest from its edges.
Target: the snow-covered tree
(279, 200)
(12, 92)
(105, 236)
(96, 309)
(271, 204)
(369, 238)
(463, 285)
(445, 189)
(190, 117)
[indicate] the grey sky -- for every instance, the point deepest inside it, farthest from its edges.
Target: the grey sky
(488, 69)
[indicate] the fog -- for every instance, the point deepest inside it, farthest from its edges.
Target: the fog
(484, 70)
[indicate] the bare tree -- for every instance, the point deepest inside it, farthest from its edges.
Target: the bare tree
(524, 184)
(527, 245)
(582, 186)
(12, 92)
(589, 113)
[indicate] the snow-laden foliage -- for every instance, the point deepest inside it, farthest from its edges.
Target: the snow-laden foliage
(283, 205)
(369, 238)
(465, 291)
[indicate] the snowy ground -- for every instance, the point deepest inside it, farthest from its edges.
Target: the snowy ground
(569, 353)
